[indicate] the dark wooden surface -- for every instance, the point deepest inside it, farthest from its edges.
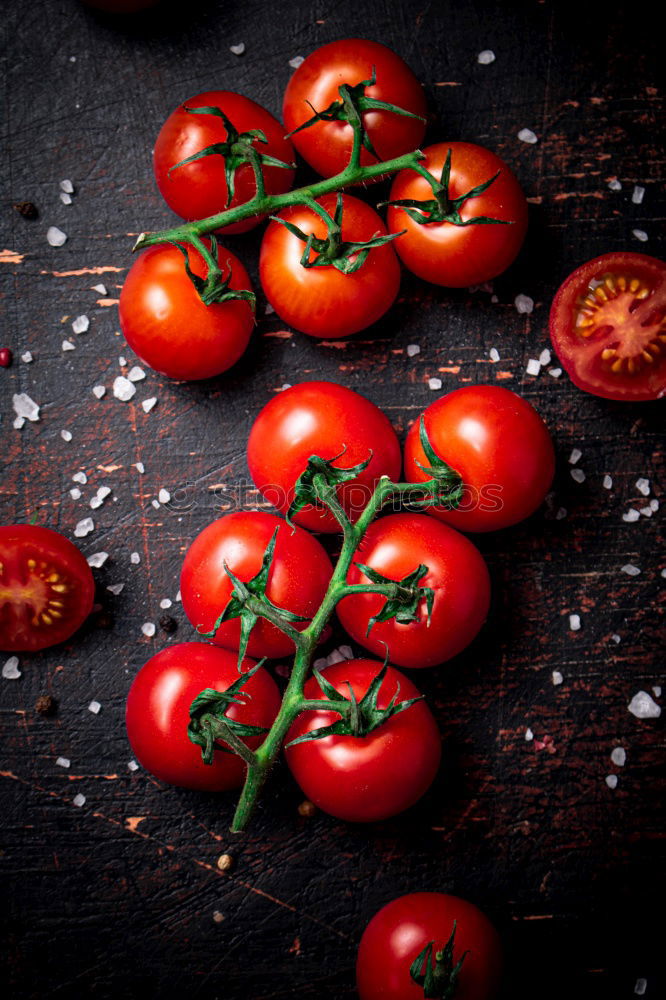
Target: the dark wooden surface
(117, 898)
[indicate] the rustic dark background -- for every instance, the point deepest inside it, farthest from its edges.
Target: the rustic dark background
(118, 897)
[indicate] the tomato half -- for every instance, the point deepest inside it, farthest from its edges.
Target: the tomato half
(199, 189)
(399, 932)
(325, 419)
(297, 581)
(320, 301)
(460, 255)
(46, 588)
(158, 713)
(166, 323)
(608, 326)
(395, 546)
(500, 446)
(363, 779)
(327, 146)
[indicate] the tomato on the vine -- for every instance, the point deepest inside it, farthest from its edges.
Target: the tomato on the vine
(327, 145)
(46, 588)
(328, 420)
(498, 444)
(447, 252)
(158, 713)
(320, 300)
(198, 189)
(398, 934)
(297, 580)
(165, 321)
(608, 326)
(363, 779)
(395, 546)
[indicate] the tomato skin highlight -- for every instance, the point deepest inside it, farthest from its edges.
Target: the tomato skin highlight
(320, 301)
(27, 594)
(452, 255)
(327, 146)
(366, 779)
(321, 418)
(623, 325)
(500, 446)
(297, 581)
(158, 713)
(395, 546)
(199, 189)
(165, 322)
(400, 931)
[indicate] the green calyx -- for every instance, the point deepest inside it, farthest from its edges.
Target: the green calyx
(442, 208)
(209, 722)
(436, 973)
(403, 596)
(238, 148)
(317, 484)
(449, 482)
(357, 718)
(333, 251)
(213, 289)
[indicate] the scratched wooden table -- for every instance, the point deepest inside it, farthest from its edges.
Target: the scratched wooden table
(121, 896)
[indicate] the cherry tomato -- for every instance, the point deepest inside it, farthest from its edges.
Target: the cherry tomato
(399, 932)
(297, 581)
(166, 323)
(325, 419)
(199, 189)
(46, 588)
(608, 326)
(363, 779)
(320, 301)
(158, 713)
(327, 146)
(397, 545)
(460, 255)
(500, 446)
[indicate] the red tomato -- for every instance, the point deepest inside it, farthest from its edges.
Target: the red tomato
(399, 932)
(325, 419)
(608, 326)
(327, 146)
(158, 713)
(298, 579)
(363, 779)
(46, 588)
(453, 255)
(166, 323)
(199, 189)
(500, 446)
(320, 301)
(395, 546)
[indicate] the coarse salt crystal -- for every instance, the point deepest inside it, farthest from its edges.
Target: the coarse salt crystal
(640, 987)
(269, 310)
(614, 184)
(26, 357)
(555, 372)
(529, 735)
(630, 569)
(148, 629)
(75, 493)
(523, 303)
(575, 456)
(557, 678)
(616, 638)
(18, 423)
(643, 486)
(136, 374)
(544, 357)
(80, 477)
(561, 513)
(637, 194)
(67, 345)
(84, 527)
(296, 62)
(640, 235)
(656, 690)
(94, 707)
(284, 386)
(165, 603)
(527, 135)
(55, 237)
(533, 367)
(67, 185)
(97, 559)
(65, 198)
(156, 504)
(140, 467)
(334, 657)
(574, 622)
(237, 50)
(135, 558)
(178, 596)
(66, 435)
(99, 391)
(611, 780)
(63, 761)
(100, 288)
(103, 492)
(79, 800)
(663, 572)
(115, 588)
(123, 389)
(148, 404)
(643, 706)
(132, 765)
(631, 515)
(80, 324)
(413, 350)
(121, 361)
(434, 383)
(10, 669)
(163, 496)
(607, 483)
(95, 503)
(347, 652)
(654, 505)
(494, 355)
(486, 57)
(646, 511)
(619, 756)
(578, 475)
(25, 407)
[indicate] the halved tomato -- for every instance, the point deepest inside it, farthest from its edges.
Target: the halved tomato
(608, 326)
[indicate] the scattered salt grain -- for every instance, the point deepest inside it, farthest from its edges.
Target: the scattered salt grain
(148, 629)
(66, 435)
(80, 324)
(55, 237)
(121, 361)
(26, 357)
(334, 657)
(434, 384)
(163, 496)
(533, 367)
(67, 345)
(656, 690)
(18, 423)
(140, 467)
(640, 987)
(165, 603)
(413, 350)
(637, 194)
(100, 288)
(136, 374)
(123, 389)
(94, 707)
(84, 527)
(561, 513)
(643, 706)
(178, 597)
(557, 678)
(135, 558)
(67, 185)
(25, 407)
(75, 493)
(79, 800)
(296, 62)
(663, 572)
(269, 310)
(578, 475)
(608, 483)
(523, 303)
(574, 622)
(631, 515)
(97, 559)
(237, 50)
(630, 569)
(10, 669)
(527, 135)
(611, 780)
(640, 235)
(555, 372)
(486, 57)
(347, 652)
(646, 511)
(115, 588)
(614, 184)
(63, 761)
(80, 477)
(99, 391)
(148, 404)
(156, 504)
(544, 357)
(619, 756)
(643, 486)
(575, 456)
(284, 386)
(493, 354)
(132, 765)
(529, 735)
(654, 506)
(65, 198)
(616, 638)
